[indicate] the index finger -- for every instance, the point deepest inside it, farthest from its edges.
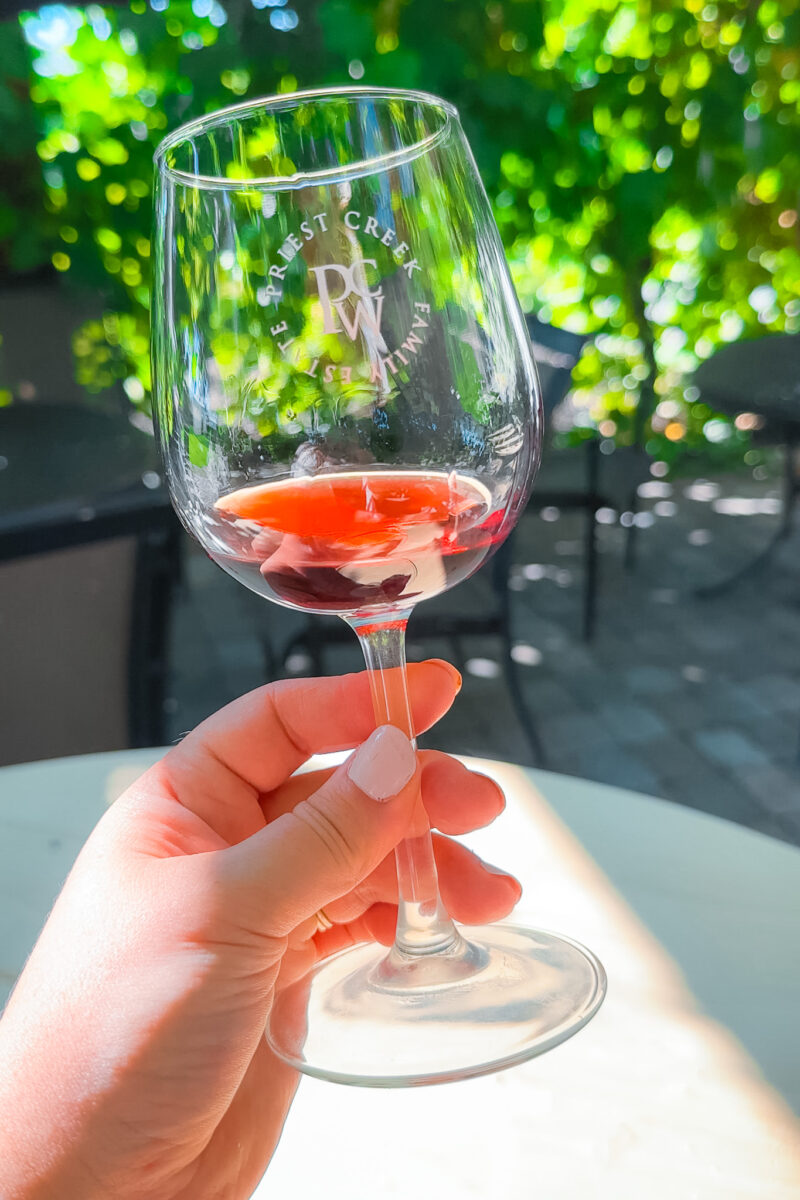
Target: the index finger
(255, 743)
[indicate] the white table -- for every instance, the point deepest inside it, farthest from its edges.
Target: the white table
(681, 1088)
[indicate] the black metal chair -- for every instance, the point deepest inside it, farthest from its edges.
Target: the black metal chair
(89, 554)
(568, 479)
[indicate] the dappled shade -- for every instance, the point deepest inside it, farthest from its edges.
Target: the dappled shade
(643, 165)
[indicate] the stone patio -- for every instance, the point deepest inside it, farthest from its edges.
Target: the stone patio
(695, 700)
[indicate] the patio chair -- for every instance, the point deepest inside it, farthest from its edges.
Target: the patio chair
(568, 479)
(88, 559)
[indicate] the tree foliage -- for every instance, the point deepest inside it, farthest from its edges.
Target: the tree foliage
(642, 157)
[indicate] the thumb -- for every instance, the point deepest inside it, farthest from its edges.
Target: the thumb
(332, 840)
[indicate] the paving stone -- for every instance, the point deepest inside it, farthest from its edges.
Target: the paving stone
(571, 734)
(733, 702)
(574, 660)
(777, 790)
(683, 711)
(711, 792)
(343, 660)
(784, 619)
(787, 826)
(712, 641)
(779, 692)
(431, 648)
(245, 653)
(651, 681)
(779, 738)
(632, 723)
(596, 688)
(548, 697)
(617, 652)
(609, 764)
(674, 759)
(729, 748)
(465, 729)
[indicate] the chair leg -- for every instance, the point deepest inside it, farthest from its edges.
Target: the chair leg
(511, 671)
(790, 484)
(590, 540)
(458, 653)
(629, 556)
(156, 569)
(590, 576)
(632, 534)
(501, 569)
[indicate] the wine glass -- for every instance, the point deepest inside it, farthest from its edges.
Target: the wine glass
(350, 419)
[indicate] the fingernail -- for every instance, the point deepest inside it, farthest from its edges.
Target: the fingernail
(451, 671)
(383, 765)
(492, 870)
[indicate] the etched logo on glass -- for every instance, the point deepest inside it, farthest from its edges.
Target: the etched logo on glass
(351, 302)
(367, 308)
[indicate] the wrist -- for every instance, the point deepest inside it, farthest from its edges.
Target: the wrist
(40, 1153)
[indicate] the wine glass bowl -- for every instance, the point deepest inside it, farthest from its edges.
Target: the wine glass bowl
(328, 316)
(350, 418)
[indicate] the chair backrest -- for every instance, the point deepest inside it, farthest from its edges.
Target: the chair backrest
(65, 635)
(87, 557)
(556, 352)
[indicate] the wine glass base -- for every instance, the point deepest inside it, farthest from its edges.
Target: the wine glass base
(374, 1018)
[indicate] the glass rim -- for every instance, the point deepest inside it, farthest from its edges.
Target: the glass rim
(327, 175)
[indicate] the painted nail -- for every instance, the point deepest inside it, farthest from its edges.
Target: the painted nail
(383, 765)
(451, 671)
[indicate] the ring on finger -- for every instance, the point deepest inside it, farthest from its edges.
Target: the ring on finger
(324, 923)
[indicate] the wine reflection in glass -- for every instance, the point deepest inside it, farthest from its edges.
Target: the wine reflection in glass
(350, 419)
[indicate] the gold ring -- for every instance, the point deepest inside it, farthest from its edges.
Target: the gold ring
(324, 922)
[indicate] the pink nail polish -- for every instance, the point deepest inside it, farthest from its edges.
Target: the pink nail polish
(383, 765)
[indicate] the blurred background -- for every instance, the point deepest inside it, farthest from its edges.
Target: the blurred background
(643, 162)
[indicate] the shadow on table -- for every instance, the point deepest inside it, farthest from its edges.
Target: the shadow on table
(682, 891)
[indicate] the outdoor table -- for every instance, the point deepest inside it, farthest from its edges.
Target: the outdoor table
(761, 376)
(70, 475)
(682, 1086)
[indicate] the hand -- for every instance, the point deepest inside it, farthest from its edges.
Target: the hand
(134, 1062)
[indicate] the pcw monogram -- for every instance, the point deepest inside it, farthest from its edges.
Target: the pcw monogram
(368, 307)
(350, 304)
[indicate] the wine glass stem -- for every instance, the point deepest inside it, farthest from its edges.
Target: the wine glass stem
(423, 924)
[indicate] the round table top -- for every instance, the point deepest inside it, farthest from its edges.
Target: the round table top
(682, 1086)
(65, 467)
(66, 454)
